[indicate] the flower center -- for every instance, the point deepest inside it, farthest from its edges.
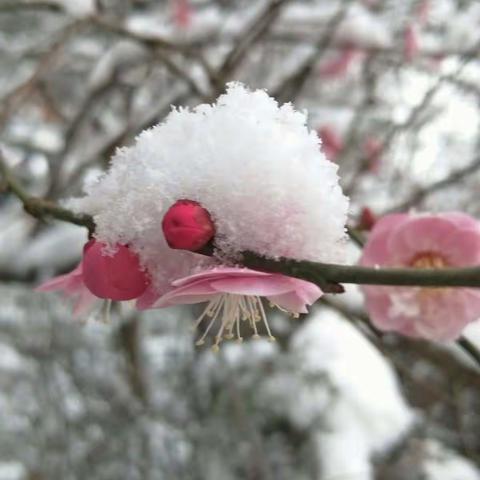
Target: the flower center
(428, 260)
(230, 310)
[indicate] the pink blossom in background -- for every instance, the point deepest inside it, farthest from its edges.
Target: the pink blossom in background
(233, 296)
(373, 150)
(332, 144)
(410, 42)
(116, 276)
(72, 286)
(182, 13)
(338, 65)
(423, 12)
(423, 241)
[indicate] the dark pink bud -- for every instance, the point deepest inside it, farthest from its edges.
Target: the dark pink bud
(410, 43)
(373, 150)
(187, 226)
(367, 219)
(338, 66)
(182, 13)
(116, 277)
(332, 144)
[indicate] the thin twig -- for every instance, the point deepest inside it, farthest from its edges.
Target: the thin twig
(446, 182)
(41, 208)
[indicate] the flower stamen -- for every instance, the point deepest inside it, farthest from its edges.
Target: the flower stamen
(232, 309)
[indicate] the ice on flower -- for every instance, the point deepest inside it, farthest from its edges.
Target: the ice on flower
(252, 164)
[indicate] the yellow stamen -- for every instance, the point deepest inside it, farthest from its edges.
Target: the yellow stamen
(232, 309)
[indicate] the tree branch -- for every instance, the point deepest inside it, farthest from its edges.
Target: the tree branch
(39, 207)
(329, 273)
(327, 276)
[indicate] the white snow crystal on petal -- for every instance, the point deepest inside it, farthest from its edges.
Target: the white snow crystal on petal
(253, 164)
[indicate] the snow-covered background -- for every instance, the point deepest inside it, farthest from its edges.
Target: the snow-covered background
(393, 87)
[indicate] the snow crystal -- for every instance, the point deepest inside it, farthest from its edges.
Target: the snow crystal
(251, 163)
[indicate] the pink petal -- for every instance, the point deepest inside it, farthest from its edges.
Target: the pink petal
(462, 220)
(69, 282)
(200, 289)
(462, 248)
(267, 285)
(84, 303)
(307, 291)
(376, 251)
(185, 299)
(290, 302)
(149, 297)
(418, 235)
(219, 272)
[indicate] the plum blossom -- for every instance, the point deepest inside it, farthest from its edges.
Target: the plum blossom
(233, 296)
(410, 42)
(101, 274)
(338, 66)
(182, 13)
(423, 241)
(332, 143)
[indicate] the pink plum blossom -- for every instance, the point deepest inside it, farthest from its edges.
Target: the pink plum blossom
(373, 150)
(338, 66)
(332, 144)
(182, 13)
(410, 42)
(233, 295)
(73, 286)
(423, 241)
(99, 275)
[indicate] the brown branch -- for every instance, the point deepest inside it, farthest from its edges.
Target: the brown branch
(41, 208)
(19, 93)
(253, 34)
(326, 275)
(448, 181)
(291, 86)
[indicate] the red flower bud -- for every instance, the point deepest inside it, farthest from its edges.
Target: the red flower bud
(332, 144)
(187, 226)
(117, 277)
(367, 219)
